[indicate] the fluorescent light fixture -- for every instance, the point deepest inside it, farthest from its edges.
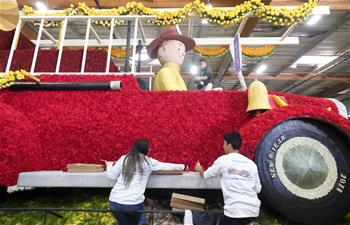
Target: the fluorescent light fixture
(40, 6)
(204, 21)
(194, 70)
(344, 92)
(313, 19)
(261, 68)
(314, 60)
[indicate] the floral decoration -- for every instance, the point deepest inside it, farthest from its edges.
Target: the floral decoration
(258, 52)
(86, 126)
(251, 52)
(7, 79)
(218, 16)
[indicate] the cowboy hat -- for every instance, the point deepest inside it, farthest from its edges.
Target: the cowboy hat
(170, 33)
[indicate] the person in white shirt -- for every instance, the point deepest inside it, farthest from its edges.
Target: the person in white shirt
(239, 181)
(132, 172)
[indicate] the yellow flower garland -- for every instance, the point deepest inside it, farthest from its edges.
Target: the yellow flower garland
(218, 16)
(7, 79)
(252, 52)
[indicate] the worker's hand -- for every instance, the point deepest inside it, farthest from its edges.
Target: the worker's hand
(109, 164)
(196, 78)
(198, 167)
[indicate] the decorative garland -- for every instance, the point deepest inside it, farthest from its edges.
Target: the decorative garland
(251, 52)
(211, 52)
(218, 16)
(258, 52)
(6, 80)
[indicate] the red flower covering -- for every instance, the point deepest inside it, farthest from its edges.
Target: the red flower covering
(46, 61)
(86, 126)
(6, 41)
(261, 124)
(20, 146)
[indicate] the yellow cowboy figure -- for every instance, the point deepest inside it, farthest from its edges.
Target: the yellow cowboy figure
(170, 49)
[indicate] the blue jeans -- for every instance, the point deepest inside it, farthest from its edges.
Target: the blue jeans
(127, 214)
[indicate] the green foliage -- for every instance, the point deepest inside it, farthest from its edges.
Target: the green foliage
(98, 199)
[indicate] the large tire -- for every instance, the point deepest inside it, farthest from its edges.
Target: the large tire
(304, 167)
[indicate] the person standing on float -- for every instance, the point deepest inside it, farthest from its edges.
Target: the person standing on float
(170, 49)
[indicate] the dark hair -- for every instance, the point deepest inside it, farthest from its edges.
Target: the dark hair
(233, 138)
(134, 160)
(202, 60)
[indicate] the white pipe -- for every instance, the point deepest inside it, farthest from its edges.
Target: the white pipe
(288, 31)
(87, 35)
(50, 36)
(96, 35)
(58, 64)
(37, 45)
(143, 36)
(242, 24)
(134, 46)
(14, 44)
(110, 46)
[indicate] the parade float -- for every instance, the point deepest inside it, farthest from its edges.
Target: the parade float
(68, 113)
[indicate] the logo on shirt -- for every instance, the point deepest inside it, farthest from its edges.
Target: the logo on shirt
(242, 173)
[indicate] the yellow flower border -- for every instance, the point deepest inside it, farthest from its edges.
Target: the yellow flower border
(7, 79)
(211, 52)
(218, 16)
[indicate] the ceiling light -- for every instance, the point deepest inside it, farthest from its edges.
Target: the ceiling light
(344, 92)
(313, 20)
(40, 6)
(314, 60)
(194, 70)
(261, 68)
(204, 21)
(209, 6)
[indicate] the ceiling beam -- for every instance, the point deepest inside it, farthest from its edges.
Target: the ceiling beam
(291, 77)
(59, 4)
(333, 4)
(333, 91)
(314, 43)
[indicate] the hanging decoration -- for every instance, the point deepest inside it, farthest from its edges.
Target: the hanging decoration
(258, 52)
(251, 52)
(217, 16)
(7, 79)
(211, 52)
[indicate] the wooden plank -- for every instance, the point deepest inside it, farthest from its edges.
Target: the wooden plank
(188, 198)
(188, 203)
(184, 206)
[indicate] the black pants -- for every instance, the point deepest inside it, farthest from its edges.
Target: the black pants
(225, 220)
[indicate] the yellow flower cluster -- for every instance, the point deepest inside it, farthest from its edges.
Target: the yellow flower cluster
(252, 52)
(218, 16)
(7, 79)
(258, 52)
(66, 12)
(211, 52)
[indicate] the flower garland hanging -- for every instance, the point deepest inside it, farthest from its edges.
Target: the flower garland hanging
(251, 52)
(218, 16)
(211, 52)
(258, 52)
(7, 79)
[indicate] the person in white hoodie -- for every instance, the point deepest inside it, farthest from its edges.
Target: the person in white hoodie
(132, 172)
(239, 180)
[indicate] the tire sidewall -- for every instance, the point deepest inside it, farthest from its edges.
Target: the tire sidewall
(320, 210)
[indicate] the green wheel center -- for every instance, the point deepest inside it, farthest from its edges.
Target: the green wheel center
(304, 166)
